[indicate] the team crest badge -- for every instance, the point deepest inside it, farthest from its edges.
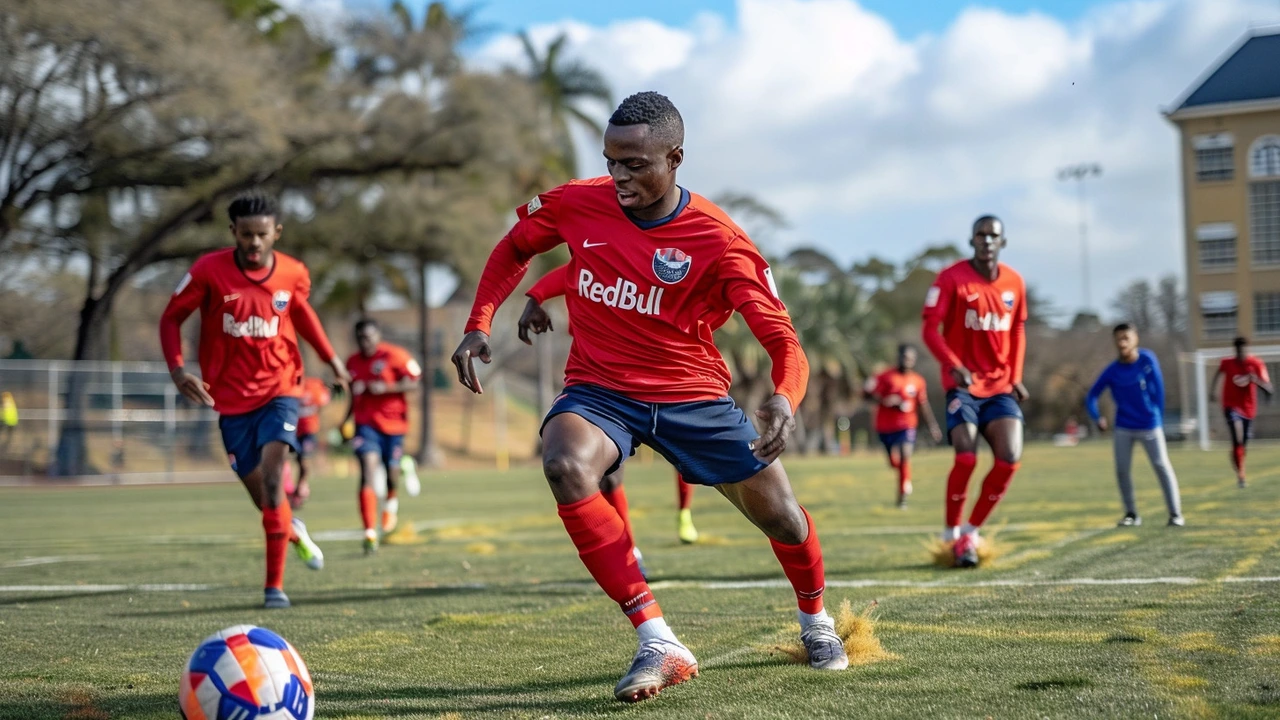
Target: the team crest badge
(378, 366)
(1008, 296)
(280, 301)
(671, 265)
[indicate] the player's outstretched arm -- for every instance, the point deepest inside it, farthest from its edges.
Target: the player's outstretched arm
(924, 408)
(1018, 336)
(189, 295)
(1214, 386)
(1091, 399)
(1262, 380)
(1156, 387)
(475, 344)
(937, 303)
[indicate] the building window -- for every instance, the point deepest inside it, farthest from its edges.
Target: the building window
(1215, 157)
(1266, 313)
(1264, 222)
(1217, 245)
(1218, 314)
(1264, 157)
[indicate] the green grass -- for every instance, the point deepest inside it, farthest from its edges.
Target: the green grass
(492, 615)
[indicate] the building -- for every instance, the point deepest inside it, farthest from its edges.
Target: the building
(1229, 123)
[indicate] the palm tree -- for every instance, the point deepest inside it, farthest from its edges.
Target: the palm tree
(562, 85)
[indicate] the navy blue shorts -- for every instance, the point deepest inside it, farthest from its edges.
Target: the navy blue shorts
(708, 441)
(965, 409)
(894, 439)
(307, 445)
(244, 435)
(1246, 426)
(368, 440)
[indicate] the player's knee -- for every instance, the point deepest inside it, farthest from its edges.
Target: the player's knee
(1009, 456)
(787, 526)
(564, 469)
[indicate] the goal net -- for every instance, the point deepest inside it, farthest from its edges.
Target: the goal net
(1205, 422)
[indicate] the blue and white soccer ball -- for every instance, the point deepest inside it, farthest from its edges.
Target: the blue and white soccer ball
(246, 673)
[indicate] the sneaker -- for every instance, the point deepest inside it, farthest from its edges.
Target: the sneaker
(1129, 520)
(907, 488)
(658, 664)
(966, 551)
(684, 527)
(275, 599)
(390, 520)
(306, 548)
(409, 476)
(1240, 483)
(635, 552)
(370, 545)
(825, 648)
(902, 501)
(1176, 521)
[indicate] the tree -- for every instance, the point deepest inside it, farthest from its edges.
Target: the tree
(879, 273)
(562, 85)
(1136, 304)
(1172, 306)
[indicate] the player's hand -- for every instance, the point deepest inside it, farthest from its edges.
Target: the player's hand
(358, 387)
(377, 387)
(191, 387)
(342, 378)
(935, 432)
(1103, 425)
(1020, 392)
(534, 319)
(475, 344)
(962, 377)
(779, 420)
(892, 401)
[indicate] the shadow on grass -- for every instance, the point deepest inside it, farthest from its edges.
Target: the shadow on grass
(310, 599)
(55, 597)
(72, 704)
(1055, 684)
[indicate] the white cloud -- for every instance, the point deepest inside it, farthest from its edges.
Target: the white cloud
(871, 142)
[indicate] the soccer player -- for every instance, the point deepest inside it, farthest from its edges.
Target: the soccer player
(1243, 375)
(974, 324)
(253, 306)
(535, 319)
(1137, 387)
(655, 270)
(381, 375)
(315, 395)
(900, 396)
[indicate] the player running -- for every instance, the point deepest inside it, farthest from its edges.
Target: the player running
(1243, 374)
(981, 306)
(381, 374)
(1137, 388)
(655, 271)
(315, 395)
(253, 305)
(900, 401)
(535, 319)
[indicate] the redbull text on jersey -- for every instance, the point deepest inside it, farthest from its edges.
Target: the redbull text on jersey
(254, 327)
(989, 322)
(623, 294)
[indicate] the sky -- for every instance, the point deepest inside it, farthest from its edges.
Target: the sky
(883, 126)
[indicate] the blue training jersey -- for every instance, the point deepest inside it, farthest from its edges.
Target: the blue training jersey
(1137, 389)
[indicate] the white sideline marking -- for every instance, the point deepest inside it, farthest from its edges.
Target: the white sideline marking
(154, 587)
(50, 560)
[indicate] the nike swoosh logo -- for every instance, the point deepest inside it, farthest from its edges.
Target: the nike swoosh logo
(588, 244)
(973, 297)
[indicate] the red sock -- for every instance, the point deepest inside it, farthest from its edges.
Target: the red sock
(802, 565)
(904, 474)
(958, 487)
(617, 497)
(993, 488)
(605, 548)
(685, 491)
(275, 523)
(368, 507)
(1237, 457)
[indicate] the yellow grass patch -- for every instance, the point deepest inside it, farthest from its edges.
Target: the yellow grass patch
(1116, 538)
(944, 557)
(1266, 645)
(992, 632)
(481, 548)
(857, 630)
(404, 535)
(1200, 641)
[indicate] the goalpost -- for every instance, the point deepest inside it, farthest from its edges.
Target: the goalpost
(1202, 365)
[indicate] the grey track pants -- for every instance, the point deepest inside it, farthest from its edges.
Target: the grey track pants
(1153, 442)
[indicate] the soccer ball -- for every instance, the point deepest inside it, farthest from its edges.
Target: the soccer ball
(246, 673)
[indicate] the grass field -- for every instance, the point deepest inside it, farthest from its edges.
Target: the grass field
(490, 613)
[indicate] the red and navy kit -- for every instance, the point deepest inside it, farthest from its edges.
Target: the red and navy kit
(249, 355)
(896, 423)
(644, 299)
(381, 420)
(983, 330)
(1239, 393)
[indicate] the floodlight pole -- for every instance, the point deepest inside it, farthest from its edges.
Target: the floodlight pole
(1079, 173)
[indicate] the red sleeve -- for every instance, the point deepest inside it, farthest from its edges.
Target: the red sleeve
(747, 286)
(937, 303)
(1261, 370)
(553, 284)
(306, 322)
(407, 366)
(1018, 335)
(186, 298)
(536, 231)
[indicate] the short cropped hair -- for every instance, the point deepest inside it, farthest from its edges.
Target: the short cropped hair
(1122, 327)
(987, 218)
(363, 323)
(254, 203)
(656, 111)
(1240, 341)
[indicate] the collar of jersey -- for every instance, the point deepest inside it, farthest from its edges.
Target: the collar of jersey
(275, 263)
(651, 224)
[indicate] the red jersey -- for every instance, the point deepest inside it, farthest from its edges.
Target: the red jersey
(1238, 391)
(248, 345)
(387, 413)
(644, 299)
(983, 327)
(905, 392)
(315, 395)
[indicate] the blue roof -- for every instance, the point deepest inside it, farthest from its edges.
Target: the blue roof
(1250, 73)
